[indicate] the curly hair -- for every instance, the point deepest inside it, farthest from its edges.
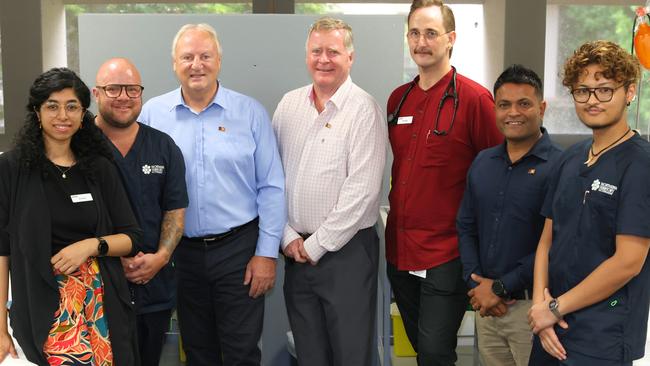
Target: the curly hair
(617, 63)
(87, 143)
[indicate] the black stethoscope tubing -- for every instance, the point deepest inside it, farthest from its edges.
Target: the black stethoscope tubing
(393, 117)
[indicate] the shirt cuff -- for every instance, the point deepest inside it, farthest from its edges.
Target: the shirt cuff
(289, 235)
(267, 246)
(313, 249)
(511, 282)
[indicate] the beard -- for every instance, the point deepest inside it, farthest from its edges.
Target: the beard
(110, 118)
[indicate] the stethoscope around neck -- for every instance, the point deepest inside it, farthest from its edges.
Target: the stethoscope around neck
(451, 92)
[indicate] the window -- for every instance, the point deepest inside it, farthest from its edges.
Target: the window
(73, 11)
(567, 27)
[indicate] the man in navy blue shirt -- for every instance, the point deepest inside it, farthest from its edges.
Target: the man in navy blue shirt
(499, 222)
(591, 290)
(153, 173)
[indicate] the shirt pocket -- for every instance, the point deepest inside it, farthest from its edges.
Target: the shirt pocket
(602, 210)
(328, 156)
(436, 151)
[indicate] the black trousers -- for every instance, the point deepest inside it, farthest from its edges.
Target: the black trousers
(432, 310)
(332, 306)
(151, 335)
(219, 323)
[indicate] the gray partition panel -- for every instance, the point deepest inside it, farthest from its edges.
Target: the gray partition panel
(264, 57)
(263, 54)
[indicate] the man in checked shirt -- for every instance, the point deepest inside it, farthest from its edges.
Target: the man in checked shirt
(332, 138)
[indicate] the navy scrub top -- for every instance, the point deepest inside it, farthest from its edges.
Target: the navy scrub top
(589, 206)
(153, 173)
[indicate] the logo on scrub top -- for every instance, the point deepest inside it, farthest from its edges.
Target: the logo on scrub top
(598, 186)
(153, 169)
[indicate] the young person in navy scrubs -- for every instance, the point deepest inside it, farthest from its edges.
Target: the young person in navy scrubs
(591, 287)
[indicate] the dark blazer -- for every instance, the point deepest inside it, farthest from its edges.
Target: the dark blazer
(25, 236)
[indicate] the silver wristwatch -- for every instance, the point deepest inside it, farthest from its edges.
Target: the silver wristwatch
(554, 306)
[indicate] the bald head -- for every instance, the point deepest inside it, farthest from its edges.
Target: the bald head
(118, 94)
(117, 68)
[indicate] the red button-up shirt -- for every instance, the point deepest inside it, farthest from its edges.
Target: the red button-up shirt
(428, 174)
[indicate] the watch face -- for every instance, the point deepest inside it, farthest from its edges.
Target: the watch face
(102, 247)
(497, 288)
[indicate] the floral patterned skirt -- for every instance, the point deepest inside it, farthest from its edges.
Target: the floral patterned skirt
(79, 334)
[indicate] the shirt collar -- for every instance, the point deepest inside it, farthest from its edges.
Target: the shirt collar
(220, 99)
(341, 95)
(540, 149)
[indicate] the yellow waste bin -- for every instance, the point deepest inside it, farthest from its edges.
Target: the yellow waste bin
(401, 344)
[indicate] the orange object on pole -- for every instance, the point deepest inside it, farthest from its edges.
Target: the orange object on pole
(642, 42)
(642, 36)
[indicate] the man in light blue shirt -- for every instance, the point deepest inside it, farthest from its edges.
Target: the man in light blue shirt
(226, 259)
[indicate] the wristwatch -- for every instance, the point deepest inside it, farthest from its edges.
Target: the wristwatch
(102, 247)
(499, 289)
(554, 306)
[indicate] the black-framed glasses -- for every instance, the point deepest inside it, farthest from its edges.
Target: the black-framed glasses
(115, 90)
(602, 94)
(430, 35)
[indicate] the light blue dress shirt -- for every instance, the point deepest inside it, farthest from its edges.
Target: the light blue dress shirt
(234, 172)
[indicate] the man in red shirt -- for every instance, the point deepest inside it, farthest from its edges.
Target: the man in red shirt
(438, 123)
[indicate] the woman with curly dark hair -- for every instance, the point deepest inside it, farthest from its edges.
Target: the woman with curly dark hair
(64, 222)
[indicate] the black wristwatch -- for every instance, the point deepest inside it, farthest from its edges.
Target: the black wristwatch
(102, 247)
(499, 289)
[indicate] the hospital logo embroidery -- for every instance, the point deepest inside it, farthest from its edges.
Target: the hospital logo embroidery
(598, 186)
(153, 169)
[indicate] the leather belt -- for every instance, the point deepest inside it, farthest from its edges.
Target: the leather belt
(216, 238)
(304, 236)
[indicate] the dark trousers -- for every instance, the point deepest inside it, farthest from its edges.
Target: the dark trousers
(539, 357)
(332, 306)
(432, 310)
(151, 335)
(219, 323)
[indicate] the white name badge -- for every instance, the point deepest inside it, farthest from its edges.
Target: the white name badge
(83, 197)
(422, 273)
(405, 120)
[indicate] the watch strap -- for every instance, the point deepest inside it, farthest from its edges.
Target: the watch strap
(102, 247)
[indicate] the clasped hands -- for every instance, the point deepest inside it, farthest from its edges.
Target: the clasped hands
(541, 321)
(296, 251)
(484, 300)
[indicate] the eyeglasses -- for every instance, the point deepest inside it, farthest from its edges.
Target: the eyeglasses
(53, 109)
(602, 94)
(115, 90)
(429, 35)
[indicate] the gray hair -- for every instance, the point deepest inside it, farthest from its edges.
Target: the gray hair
(201, 27)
